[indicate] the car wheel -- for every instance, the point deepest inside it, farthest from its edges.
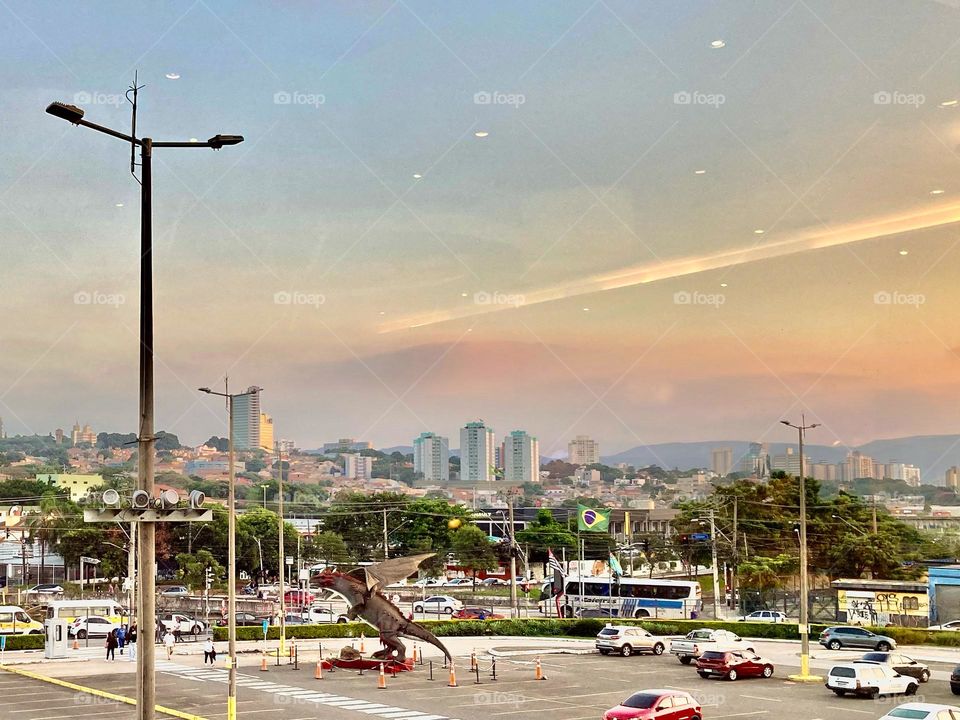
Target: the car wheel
(685, 660)
(448, 610)
(925, 676)
(658, 649)
(567, 611)
(732, 675)
(626, 650)
(767, 671)
(341, 619)
(834, 645)
(840, 693)
(883, 647)
(703, 674)
(418, 608)
(604, 652)
(911, 689)
(81, 634)
(955, 689)
(197, 630)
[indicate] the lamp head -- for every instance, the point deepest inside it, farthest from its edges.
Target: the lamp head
(785, 422)
(218, 141)
(70, 113)
(205, 389)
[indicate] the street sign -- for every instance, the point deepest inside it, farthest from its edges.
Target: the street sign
(699, 537)
(266, 624)
(89, 560)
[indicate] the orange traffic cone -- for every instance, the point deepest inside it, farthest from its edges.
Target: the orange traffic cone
(263, 664)
(76, 644)
(453, 676)
(414, 652)
(539, 671)
(318, 673)
(382, 680)
(361, 643)
(473, 661)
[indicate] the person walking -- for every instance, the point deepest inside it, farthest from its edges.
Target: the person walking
(209, 652)
(168, 641)
(121, 638)
(111, 645)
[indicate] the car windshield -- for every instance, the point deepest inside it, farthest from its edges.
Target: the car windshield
(641, 700)
(700, 635)
(901, 712)
(843, 672)
(877, 657)
(713, 655)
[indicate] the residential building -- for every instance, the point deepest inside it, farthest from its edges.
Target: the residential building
(345, 445)
(476, 452)
(583, 450)
(823, 471)
(857, 465)
(431, 457)
(722, 461)
(287, 446)
(952, 479)
(246, 419)
(58, 435)
(757, 461)
(789, 462)
(266, 432)
(357, 466)
(521, 458)
(78, 485)
(80, 435)
(585, 476)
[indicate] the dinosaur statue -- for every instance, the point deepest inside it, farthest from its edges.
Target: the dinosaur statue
(362, 589)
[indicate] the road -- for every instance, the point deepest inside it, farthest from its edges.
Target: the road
(577, 687)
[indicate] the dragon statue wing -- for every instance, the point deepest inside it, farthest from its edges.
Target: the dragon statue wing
(389, 571)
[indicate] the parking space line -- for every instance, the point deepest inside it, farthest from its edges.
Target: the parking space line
(843, 709)
(758, 697)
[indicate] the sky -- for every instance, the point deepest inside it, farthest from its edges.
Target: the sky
(644, 222)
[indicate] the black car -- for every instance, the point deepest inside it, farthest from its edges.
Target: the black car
(955, 681)
(243, 619)
(900, 663)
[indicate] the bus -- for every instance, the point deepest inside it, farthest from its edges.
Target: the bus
(70, 610)
(626, 597)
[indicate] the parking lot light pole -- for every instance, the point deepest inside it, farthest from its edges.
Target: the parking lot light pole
(804, 675)
(146, 605)
(231, 556)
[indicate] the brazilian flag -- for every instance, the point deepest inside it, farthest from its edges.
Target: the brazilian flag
(590, 520)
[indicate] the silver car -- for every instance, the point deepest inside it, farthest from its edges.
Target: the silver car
(627, 640)
(855, 637)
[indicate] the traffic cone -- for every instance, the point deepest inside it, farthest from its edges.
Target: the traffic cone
(76, 644)
(318, 673)
(453, 676)
(539, 671)
(263, 664)
(361, 643)
(414, 652)
(473, 661)
(382, 680)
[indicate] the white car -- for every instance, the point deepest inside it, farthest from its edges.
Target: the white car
(923, 711)
(628, 639)
(764, 616)
(869, 680)
(458, 582)
(429, 582)
(324, 615)
(175, 591)
(697, 642)
(91, 626)
(952, 625)
(184, 624)
(437, 604)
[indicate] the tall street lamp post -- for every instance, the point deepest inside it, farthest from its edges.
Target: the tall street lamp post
(146, 605)
(231, 556)
(804, 675)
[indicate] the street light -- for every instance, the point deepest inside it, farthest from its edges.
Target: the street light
(146, 605)
(231, 555)
(804, 675)
(843, 519)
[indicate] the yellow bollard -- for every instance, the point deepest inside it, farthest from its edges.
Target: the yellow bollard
(473, 661)
(414, 652)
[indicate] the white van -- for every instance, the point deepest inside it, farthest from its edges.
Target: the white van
(869, 680)
(15, 621)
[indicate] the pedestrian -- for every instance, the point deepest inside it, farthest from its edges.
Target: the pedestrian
(209, 652)
(111, 644)
(131, 638)
(177, 634)
(121, 638)
(168, 641)
(158, 630)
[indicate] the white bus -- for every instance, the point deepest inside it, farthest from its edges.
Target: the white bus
(70, 610)
(627, 597)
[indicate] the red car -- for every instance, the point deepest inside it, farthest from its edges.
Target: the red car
(475, 613)
(733, 665)
(298, 597)
(659, 704)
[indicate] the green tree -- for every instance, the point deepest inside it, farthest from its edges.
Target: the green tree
(193, 567)
(473, 551)
(545, 533)
(327, 547)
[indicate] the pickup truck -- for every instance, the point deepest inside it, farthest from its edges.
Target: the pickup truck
(186, 625)
(698, 642)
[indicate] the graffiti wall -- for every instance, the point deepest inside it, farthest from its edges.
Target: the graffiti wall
(868, 607)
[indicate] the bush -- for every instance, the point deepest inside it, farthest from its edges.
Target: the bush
(300, 632)
(25, 642)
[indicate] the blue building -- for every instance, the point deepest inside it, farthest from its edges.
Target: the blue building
(944, 591)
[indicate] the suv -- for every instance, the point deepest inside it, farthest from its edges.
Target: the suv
(869, 680)
(627, 640)
(176, 622)
(855, 637)
(733, 665)
(45, 589)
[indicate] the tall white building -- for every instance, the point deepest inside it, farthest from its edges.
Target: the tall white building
(246, 419)
(431, 456)
(357, 466)
(722, 461)
(521, 458)
(476, 452)
(583, 450)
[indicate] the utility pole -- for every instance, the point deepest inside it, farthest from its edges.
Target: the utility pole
(386, 546)
(804, 675)
(733, 573)
(874, 523)
(513, 556)
(231, 568)
(282, 555)
(713, 556)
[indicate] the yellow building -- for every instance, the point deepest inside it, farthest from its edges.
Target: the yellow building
(266, 432)
(77, 485)
(882, 602)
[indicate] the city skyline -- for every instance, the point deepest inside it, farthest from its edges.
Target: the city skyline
(676, 235)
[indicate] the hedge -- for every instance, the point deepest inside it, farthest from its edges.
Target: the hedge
(25, 642)
(582, 628)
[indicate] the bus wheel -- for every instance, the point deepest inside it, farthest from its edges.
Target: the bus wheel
(567, 611)
(641, 614)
